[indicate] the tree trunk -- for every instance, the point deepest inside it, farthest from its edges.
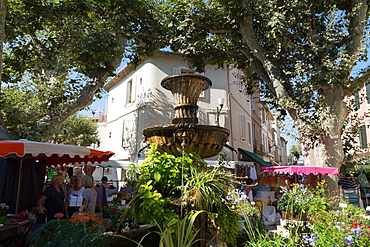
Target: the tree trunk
(326, 149)
(3, 7)
(4, 134)
(3, 4)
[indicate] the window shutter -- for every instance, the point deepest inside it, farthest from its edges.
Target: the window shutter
(242, 127)
(368, 92)
(363, 137)
(357, 100)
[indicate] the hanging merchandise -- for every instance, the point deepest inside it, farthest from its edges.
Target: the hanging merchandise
(252, 173)
(362, 179)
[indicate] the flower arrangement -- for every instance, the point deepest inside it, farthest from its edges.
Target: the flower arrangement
(3, 209)
(299, 200)
(122, 217)
(295, 200)
(335, 229)
(328, 225)
(120, 197)
(88, 218)
(80, 230)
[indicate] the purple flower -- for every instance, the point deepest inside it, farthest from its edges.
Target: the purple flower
(356, 231)
(310, 239)
(349, 239)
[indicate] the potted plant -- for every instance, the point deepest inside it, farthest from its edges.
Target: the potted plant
(3, 209)
(295, 201)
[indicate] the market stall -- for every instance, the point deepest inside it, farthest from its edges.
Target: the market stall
(23, 165)
(302, 170)
(275, 177)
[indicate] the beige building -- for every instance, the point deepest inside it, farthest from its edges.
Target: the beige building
(137, 100)
(360, 102)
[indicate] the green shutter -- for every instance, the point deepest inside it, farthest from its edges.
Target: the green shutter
(357, 101)
(363, 138)
(368, 92)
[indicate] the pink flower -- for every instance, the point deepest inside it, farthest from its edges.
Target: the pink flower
(58, 215)
(84, 219)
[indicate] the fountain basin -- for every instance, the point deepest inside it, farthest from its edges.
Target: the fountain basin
(205, 140)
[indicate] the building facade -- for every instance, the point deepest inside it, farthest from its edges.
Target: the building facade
(137, 100)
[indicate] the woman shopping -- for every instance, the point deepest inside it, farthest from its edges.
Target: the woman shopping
(74, 195)
(51, 201)
(89, 194)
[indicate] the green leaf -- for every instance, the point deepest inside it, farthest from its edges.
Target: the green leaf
(157, 176)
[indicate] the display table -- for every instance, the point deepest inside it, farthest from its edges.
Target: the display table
(266, 195)
(13, 230)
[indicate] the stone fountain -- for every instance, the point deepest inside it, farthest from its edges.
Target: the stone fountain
(185, 132)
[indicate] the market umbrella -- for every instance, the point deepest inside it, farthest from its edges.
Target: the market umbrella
(50, 153)
(302, 170)
(53, 153)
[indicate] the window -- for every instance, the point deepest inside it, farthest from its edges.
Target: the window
(123, 141)
(125, 133)
(202, 117)
(242, 127)
(249, 134)
(254, 132)
(368, 92)
(239, 80)
(129, 92)
(357, 100)
(253, 103)
(362, 137)
(202, 94)
(182, 70)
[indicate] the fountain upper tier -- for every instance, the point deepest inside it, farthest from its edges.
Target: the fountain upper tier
(186, 90)
(205, 140)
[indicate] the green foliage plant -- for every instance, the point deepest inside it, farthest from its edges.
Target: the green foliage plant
(206, 190)
(65, 233)
(175, 233)
(322, 199)
(169, 186)
(350, 227)
(260, 238)
(179, 232)
(159, 185)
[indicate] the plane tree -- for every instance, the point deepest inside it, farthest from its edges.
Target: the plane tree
(63, 51)
(301, 55)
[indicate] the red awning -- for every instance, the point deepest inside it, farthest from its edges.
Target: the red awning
(52, 153)
(302, 170)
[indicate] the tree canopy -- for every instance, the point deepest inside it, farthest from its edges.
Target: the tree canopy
(299, 53)
(65, 50)
(296, 152)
